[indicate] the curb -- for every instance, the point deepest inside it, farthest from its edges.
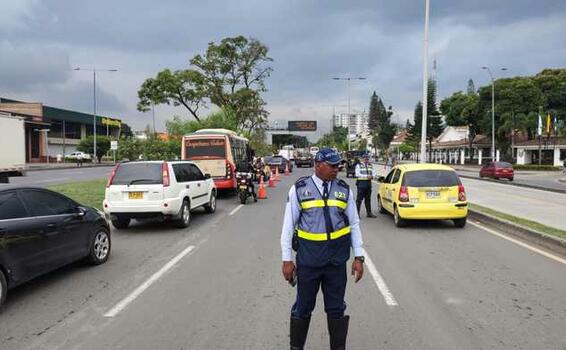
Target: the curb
(555, 190)
(68, 167)
(554, 244)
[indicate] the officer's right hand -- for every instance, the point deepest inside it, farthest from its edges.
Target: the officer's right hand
(288, 270)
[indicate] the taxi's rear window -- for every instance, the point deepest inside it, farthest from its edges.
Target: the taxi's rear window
(430, 178)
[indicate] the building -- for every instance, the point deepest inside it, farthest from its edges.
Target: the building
(552, 151)
(357, 123)
(51, 131)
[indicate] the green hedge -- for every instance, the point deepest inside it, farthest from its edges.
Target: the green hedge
(536, 167)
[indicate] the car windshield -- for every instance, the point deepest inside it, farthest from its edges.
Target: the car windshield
(138, 173)
(430, 178)
(504, 165)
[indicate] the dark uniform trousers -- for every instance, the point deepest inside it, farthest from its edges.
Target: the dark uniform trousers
(332, 279)
(364, 194)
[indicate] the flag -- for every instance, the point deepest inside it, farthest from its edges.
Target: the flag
(548, 123)
(539, 126)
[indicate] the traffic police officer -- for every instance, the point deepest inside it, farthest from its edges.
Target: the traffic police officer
(364, 175)
(322, 223)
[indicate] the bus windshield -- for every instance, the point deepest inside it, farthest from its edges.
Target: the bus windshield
(205, 148)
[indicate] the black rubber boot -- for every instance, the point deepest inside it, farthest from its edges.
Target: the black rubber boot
(338, 330)
(299, 331)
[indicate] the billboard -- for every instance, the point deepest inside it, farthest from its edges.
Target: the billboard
(302, 125)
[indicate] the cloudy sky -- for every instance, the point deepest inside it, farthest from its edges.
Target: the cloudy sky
(310, 42)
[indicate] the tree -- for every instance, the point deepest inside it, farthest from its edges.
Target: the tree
(386, 130)
(86, 145)
(414, 129)
(435, 125)
(337, 138)
(463, 110)
(126, 131)
(374, 111)
(181, 88)
(224, 119)
(235, 71)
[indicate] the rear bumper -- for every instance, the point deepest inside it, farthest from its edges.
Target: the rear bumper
(165, 207)
(504, 175)
(225, 184)
(444, 211)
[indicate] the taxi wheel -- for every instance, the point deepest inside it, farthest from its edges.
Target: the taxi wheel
(380, 207)
(460, 223)
(399, 222)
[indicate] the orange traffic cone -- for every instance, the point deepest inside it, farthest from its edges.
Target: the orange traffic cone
(271, 182)
(276, 173)
(262, 194)
(287, 169)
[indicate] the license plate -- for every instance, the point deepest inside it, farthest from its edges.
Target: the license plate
(135, 195)
(433, 194)
(243, 187)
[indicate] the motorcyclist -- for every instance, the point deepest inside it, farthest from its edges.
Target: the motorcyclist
(249, 168)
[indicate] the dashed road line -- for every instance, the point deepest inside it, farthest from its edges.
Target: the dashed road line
(235, 210)
(139, 290)
(379, 282)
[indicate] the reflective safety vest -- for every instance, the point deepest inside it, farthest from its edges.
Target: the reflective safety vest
(365, 171)
(323, 229)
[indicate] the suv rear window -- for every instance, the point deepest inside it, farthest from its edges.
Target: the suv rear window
(138, 173)
(430, 178)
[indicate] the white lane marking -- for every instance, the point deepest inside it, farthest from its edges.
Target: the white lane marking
(235, 210)
(522, 244)
(381, 285)
(139, 290)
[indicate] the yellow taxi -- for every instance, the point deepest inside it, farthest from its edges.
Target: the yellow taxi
(423, 192)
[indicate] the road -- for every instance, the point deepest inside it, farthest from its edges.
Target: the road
(45, 178)
(548, 180)
(441, 288)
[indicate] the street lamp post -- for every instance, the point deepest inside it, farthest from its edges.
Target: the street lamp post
(94, 70)
(492, 111)
(425, 85)
(349, 115)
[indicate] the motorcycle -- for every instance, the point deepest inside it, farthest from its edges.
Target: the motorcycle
(245, 187)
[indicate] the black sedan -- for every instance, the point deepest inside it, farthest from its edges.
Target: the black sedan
(41, 230)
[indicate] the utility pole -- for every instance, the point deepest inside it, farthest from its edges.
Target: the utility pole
(425, 85)
(349, 115)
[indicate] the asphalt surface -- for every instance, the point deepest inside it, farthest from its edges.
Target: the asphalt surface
(453, 289)
(49, 177)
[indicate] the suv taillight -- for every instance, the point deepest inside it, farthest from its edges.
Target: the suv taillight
(111, 178)
(461, 193)
(403, 194)
(165, 174)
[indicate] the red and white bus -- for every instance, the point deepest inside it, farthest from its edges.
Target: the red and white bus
(218, 152)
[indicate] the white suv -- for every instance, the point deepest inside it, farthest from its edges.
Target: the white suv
(168, 190)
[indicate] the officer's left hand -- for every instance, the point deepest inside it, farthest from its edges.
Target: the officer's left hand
(357, 270)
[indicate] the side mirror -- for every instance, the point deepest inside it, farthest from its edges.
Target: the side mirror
(380, 179)
(81, 212)
(207, 176)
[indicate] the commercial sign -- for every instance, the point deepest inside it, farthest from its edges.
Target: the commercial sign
(111, 122)
(302, 125)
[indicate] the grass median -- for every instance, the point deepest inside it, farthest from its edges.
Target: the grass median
(90, 193)
(520, 221)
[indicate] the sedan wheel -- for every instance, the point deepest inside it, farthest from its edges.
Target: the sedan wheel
(3, 288)
(380, 207)
(399, 222)
(100, 247)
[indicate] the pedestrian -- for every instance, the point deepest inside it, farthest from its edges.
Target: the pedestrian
(79, 160)
(364, 175)
(321, 224)
(564, 167)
